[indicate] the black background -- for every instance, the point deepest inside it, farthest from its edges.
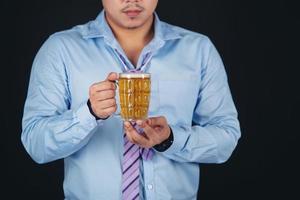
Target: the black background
(258, 43)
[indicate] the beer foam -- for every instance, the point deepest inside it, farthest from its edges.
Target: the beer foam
(134, 75)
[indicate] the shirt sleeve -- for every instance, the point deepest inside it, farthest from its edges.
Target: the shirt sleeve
(50, 129)
(215, 130)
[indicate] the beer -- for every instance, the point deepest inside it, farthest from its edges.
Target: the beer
(134, 93)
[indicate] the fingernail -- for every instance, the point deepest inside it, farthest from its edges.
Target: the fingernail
(139, 122)
(126, 124)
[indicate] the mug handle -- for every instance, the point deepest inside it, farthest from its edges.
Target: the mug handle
(117, 97)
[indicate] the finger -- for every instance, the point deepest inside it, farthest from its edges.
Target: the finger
(128, 130)
(109, 111)
(150, 133)
(135, 136)
(129, 137)
(156, 121)
(112, 76)
(103, 95)
(106, 103)
(105, 85)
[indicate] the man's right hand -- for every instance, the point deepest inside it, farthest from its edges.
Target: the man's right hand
(102, 96)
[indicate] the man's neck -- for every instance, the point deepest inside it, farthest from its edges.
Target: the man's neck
(133, 40)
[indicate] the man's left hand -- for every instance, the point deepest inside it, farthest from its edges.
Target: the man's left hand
(156, 130)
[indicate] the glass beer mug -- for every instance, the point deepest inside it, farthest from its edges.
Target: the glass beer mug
(134, 95)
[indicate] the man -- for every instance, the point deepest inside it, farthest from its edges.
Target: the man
(71, 110)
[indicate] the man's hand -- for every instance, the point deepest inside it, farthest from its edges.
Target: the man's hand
(156, 130)
(102, 96)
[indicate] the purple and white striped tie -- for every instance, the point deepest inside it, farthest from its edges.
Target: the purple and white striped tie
(131, 161)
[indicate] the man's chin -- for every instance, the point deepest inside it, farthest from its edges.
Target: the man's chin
(132, 27)
(133, 24)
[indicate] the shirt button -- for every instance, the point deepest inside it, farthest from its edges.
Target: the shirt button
(150, 187)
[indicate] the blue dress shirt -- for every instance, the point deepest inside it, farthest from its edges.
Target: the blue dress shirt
(189, 87)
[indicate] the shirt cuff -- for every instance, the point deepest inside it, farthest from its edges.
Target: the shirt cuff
(178, 141)
(165, 144)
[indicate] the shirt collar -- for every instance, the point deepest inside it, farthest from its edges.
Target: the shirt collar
(100, 28)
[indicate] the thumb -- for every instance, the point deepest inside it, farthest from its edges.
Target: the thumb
(112, 76)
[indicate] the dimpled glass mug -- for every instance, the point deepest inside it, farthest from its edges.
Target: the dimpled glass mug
(134, 94)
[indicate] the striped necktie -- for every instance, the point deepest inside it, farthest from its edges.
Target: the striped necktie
(131, 172)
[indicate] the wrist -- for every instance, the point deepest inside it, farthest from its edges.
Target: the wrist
(92, 112)
(166, 143)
